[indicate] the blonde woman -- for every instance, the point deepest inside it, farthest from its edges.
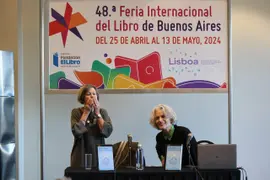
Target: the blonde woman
(90, 125)
(163, 118)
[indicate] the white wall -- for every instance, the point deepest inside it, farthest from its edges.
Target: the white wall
(251, 87)
(29, 57)
(19, 33)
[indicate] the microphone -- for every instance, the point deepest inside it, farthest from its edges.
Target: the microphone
(189, 138)
(129, 136)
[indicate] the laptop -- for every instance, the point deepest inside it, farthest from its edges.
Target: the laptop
(217, 156)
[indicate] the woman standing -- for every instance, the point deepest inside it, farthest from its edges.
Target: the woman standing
(90, 125)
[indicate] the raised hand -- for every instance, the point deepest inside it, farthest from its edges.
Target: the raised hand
(96, 106)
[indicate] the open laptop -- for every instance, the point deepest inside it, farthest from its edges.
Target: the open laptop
(217, 156)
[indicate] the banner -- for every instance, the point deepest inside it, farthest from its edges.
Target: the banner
(155, 44)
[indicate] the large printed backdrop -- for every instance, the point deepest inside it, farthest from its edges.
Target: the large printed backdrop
(143, 45)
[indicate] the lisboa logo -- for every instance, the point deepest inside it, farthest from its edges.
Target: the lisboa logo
(183, 61)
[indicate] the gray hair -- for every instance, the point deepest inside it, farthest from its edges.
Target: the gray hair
(168, 112)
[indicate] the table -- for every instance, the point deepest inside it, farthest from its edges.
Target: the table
(152, 173)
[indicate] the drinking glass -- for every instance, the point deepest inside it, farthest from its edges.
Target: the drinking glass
(88, 161)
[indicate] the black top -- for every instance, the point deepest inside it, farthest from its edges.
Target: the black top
(179, 137)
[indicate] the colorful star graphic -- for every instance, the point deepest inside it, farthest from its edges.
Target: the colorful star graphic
(64, 24)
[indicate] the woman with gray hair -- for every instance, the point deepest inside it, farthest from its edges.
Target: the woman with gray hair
(163, 118)
(90, 125)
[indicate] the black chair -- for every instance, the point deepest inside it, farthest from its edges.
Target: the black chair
(205, 142)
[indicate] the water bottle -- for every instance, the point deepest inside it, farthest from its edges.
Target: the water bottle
(139, 158)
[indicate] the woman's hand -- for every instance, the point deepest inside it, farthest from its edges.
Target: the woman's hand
(88, 106)
(87, 109)
(96, 106)
(162, 162)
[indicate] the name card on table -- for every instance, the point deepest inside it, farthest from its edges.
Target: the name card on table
(105, 158)
(173, 160)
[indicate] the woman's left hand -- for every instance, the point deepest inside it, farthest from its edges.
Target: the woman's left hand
(96, 106)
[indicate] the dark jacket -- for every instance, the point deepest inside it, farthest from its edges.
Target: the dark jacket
(179, 137)
(87, 136)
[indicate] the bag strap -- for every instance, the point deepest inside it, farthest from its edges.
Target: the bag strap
(119, 152)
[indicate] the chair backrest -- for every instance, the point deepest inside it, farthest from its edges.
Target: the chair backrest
(205, 142)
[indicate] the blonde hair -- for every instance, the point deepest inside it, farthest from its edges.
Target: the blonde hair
(168, 112)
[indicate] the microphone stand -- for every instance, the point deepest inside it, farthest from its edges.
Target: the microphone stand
(130, 159)
(130, 152)
(191, 163)
(189, 158)
(189, 155)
